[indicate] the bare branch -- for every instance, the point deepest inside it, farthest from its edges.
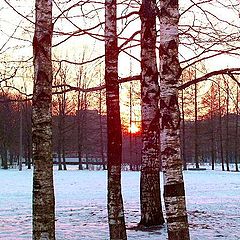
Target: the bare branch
(228, 71)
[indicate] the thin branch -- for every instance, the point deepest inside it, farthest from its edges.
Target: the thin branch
(228, 71)
(92, 89)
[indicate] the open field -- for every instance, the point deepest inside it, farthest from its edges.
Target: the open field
(212, 199)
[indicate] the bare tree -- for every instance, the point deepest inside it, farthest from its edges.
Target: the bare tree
(170, 71)
(150, 197)
(115, 203)
(43, 189)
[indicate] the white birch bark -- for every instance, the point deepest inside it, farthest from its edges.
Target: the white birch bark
(115, 203)
(150, 197)
(170, 72)
(43, 191)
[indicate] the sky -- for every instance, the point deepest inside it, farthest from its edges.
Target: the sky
(7, 26)
(73, 48)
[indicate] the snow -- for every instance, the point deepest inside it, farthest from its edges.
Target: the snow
(212, 201)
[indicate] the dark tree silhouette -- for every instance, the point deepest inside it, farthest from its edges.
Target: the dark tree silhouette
(115, 203)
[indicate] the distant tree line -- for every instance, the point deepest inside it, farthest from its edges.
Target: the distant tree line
(66, 140)
(211, 147)
(216, 141)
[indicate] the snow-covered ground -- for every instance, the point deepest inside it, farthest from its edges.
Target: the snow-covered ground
(213, 202)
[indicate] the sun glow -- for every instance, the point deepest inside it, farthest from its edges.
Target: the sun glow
(133, 128)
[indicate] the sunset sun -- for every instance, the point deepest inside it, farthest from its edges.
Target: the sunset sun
(133, 128)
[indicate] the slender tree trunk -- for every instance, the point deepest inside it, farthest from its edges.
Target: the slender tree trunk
(43, 189)
(131, 162)
(101, 131)
(150, 197)
(80, 166)
(196, 126)
(79, 137)
(59, 147)
(220, 126)
(59, 160)
(4, 157)
(21, 137)
(227, 127)
(236, 132)
(212, 138)
(63, 126)
(11, 160)
(170, 71)
(130, 125)
(63, 143)
(87, 160)
(29, 147)
(115, 202)
(64, 157)
(28, 134)
(80, 130)
(183, 136)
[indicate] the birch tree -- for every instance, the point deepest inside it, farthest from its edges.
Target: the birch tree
(115, 203)
(170, 72)
(43, 190)
(151, 208)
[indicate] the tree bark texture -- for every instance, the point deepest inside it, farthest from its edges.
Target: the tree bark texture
(170, 71)
(150, 197)
(115, 203)
(43, 190)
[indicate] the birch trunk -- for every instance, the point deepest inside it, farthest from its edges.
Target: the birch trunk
(170, 71)
(150, 197)
(115, 203)
(43, 190)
